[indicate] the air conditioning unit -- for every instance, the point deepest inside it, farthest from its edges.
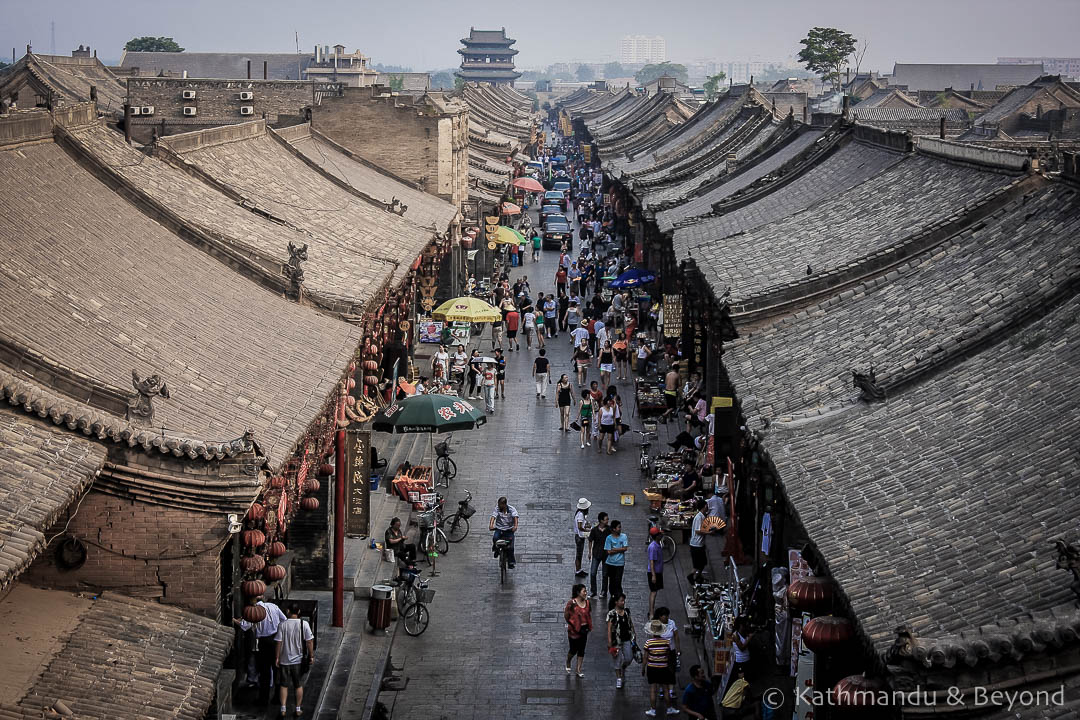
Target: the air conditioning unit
(189, 94)
(247, 96)
(247, 110)
(148, 110)
(136, 110)
(189, 110)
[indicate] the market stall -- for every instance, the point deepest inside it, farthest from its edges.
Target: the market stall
(649, 398)
(412, 482)
(712, 609)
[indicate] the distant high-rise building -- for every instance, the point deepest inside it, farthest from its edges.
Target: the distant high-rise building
(642, 49)
(488, 57)
(1066, 67)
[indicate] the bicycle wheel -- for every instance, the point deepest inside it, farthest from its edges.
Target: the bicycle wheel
(427, 545)
(457, 528)
(416, 618)
(405, 598)
(439, 540)
(667, 544)
(446, 466)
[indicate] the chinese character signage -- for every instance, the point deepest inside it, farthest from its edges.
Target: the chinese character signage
(673, 317)
(357, 481)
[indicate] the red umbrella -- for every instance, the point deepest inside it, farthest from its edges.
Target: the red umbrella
(526, 183)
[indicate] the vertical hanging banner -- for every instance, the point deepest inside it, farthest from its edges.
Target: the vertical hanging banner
(357, 482)
(673, 315)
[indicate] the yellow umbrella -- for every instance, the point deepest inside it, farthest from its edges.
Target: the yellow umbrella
(466, 309)
(505, 235)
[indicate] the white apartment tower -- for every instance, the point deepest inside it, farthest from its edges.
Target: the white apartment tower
(642, 49)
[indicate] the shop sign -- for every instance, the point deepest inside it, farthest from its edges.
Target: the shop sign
(720, 401)
(673, 316)
(357, 482)
(430, 332)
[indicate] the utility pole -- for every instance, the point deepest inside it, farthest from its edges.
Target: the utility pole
(52, 33)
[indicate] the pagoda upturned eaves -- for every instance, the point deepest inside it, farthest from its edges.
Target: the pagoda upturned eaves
(488, 57)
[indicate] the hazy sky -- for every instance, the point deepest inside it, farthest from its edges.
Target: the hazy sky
(425, 33)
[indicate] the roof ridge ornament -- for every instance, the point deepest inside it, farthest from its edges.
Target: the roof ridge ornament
(1069, 559)
(396, 206)
(293, 271)
(866, 383)
(140, 405)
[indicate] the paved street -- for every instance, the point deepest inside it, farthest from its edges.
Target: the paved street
(495, 653)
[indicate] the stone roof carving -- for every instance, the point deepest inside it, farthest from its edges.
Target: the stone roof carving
(42, 471)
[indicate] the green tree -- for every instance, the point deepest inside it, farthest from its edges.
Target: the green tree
(153, 44)
(442, 80)
(712, 85)
(826, 51)
(613, 70)
(459, 82)
(647, 74)
(397, 82)
(585, 73)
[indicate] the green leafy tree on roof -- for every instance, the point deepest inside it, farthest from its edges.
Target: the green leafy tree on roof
(712, 85)
(153, 44)
(826, 52)
(647, 74)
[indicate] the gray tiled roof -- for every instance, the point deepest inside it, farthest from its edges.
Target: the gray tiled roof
(42, 471)
(900, 114)
(425, 210)
(128, 658)
(223, 66)
(703, 203)
(929, 308)
(333, 273)
(845, 168)
(127, 294)
(70, 79)
(872, 216)
(351, 231)
(937, 509)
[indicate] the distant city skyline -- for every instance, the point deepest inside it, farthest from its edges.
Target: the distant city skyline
(425, 35)
(642, 49)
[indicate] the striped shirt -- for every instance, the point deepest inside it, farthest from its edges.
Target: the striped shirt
(656, 651)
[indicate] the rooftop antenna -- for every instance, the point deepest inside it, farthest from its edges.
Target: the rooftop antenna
(297, 36)
(52, 36)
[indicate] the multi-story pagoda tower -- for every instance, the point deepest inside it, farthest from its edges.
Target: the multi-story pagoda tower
(488, 57)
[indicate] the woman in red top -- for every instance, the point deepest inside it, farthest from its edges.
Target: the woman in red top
(578, 616)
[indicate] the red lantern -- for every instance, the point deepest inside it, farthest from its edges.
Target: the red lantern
(252, 563)
(860, 691)
(277, 482)
(812, 594)
(312, 485)
(350, 384)
(310, 503)
(352, 368)
(254, 613)
(276, 549)
(252, 538)
(372, 350)
(371, 365)
(256, 512)
(326, 469)
(253, 588)
(371, 380)
(827, 634)
(274, 573)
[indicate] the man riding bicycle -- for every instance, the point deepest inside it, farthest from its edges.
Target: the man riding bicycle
(504, 523)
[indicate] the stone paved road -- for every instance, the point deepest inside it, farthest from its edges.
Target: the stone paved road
(499, 653)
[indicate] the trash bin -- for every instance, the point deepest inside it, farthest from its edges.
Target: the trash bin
(379, 605)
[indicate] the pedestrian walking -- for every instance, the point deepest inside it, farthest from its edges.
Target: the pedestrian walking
(622, 357)
(565, 397)
(655, 565)
(496, 334)
(606, 362)
(620, 637)
(475, 375)
(671, 634)
(551, 320)
(607, 424)
(581, 533)
(615, 547)
(740, 646)
(657, 667)
(489, 387)
(540, 322)
(586, 413)
(500, 374)
(536, 242)
(578, 616)
(529, 325)
(439, 363)
(541, 368)
(293, 637)
(582, 360)
(265, 631)
(597, 553)
(513, 320)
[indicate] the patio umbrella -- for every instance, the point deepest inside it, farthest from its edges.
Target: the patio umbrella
(526, 183)
(633, 277)
(428, 414)
(506, 236)
(466, 309)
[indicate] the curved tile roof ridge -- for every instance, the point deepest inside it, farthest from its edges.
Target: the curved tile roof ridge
(80, 417)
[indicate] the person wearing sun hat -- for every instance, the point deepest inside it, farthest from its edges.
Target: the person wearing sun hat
(581, 531)
(657, 664)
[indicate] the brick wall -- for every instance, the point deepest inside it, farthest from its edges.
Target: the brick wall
(410, 141)
(217, 102)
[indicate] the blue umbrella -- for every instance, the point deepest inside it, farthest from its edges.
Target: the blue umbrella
(633, 277)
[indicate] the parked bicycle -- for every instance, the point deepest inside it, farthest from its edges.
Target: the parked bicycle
(645, 459)
(443, 462)
(457, 525)
(433, 541)
(413, 597)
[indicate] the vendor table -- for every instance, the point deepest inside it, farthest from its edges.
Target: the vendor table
(649, 398)
(410, 483)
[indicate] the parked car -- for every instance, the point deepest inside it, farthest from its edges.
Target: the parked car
(562, 186)
(557, 232)
(556, 196)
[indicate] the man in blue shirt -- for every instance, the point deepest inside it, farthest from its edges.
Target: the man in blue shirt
(697, 699)
(615, 562)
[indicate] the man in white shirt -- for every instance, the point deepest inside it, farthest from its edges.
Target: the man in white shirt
(697, 542)
(265, 630)
(578, 335)
(602, 335)
(581, 531)
(291, 637)
(457, 373)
